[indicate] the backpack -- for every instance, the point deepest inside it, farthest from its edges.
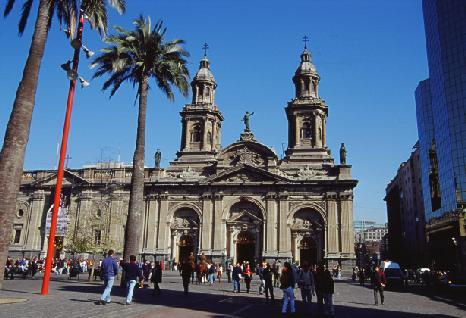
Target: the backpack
(284, 280)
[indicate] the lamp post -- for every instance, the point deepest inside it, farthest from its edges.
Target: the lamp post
(66, 127)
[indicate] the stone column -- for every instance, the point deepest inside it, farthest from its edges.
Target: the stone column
(163, 225)
(284, 244)
(296, 130)
(347, 237)
(204, 134)
(219, 136)
(319, 131)
(271, 225)
(257, 251)
(316, 129)
(324, 131)
(206, 238)
(214, 136)
(218, 228)
(187, 134)
(144, 232)
(37, 209)
(332, 220)
(152, 223)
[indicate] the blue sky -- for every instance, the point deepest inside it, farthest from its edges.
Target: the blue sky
(370, 56)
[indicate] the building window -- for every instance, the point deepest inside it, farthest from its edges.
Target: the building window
(196, 133)
(97, 237)
(20, 213)
(306, 131)
(17, 236)
(99, 213)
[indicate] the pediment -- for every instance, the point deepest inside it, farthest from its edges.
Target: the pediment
(69, 179)
(245, 217)
(244, 174)
(247, 152)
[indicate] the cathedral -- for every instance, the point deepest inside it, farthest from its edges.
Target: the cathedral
(235, 203)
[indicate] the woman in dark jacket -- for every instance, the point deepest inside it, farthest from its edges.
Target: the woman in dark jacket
(156, 278)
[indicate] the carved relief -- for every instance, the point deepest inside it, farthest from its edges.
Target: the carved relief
(185, 219)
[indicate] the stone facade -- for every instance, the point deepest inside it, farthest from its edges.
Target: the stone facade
(237, 203)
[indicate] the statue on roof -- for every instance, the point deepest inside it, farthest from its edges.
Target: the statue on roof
(246, 120)
(342, 154)
(158, 158)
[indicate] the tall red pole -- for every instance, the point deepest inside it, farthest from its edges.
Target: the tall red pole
(64, 143)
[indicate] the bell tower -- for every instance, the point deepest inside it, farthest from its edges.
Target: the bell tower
(201, 120)
(307, 117)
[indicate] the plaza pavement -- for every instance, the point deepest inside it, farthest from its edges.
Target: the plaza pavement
(70, 299)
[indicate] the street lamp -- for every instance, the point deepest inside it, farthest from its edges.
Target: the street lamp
(72, 73)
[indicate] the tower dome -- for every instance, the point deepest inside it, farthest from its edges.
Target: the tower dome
(204, 85)
(306, 79)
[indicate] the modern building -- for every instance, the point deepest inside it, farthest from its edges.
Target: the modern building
(361, 225)
(371, 234)
(405, 211)
(441, 117)
(239, 202)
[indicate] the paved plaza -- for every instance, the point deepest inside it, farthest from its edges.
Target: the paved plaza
(68, 298)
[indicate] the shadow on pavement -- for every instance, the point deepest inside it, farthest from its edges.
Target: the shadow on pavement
(229, 304)
(453, 297)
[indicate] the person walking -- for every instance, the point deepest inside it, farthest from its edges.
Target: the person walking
(186, 272)
(109, 269)
(247, 277)
(229, 271)
(362, 276)
(260, 273)
(276, 273)
(236, 278)
(211, 271)
(219, 272)
(132, 272)
(306, 284)
(328, 290)
(156, 278)
(378, 283)
(267, 273)
(287, 283)
(318, 280)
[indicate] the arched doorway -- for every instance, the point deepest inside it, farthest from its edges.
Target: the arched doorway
(308, 251)
(245, 232)
(308, 236)
(184, 234)
(186, 247)
(245, 247)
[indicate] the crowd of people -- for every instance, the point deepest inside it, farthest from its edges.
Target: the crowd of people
(29, 267)
(310, 280)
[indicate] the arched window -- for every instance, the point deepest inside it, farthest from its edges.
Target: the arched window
(306, 130)
(196, 133)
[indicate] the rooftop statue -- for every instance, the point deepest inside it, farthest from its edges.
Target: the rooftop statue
(246, 121)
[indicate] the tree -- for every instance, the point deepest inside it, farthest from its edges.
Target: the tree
(17, 131)
(136, 57)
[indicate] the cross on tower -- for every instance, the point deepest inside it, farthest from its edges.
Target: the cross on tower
(205, 47)
(305, 40)
(67, 158)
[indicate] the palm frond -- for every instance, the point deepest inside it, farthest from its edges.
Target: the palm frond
(24, 16)
(8, 7)
(142, 53)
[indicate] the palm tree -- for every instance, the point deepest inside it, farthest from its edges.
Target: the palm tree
(136, 57)
(17, 132)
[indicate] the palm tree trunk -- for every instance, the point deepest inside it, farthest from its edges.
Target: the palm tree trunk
(136, 199)
(17, 132)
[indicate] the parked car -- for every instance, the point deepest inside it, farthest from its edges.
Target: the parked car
(454, 280)
(393, 273)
